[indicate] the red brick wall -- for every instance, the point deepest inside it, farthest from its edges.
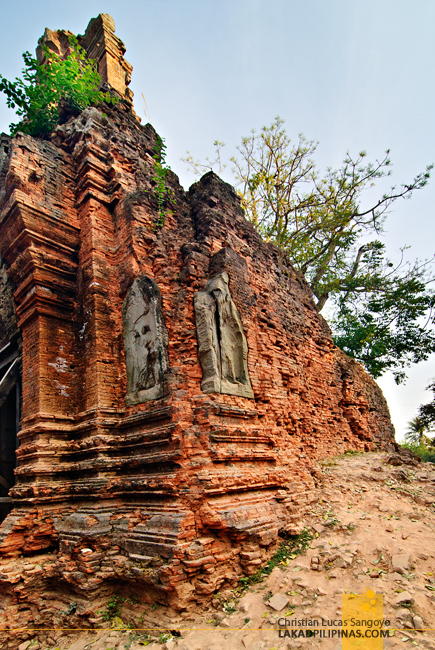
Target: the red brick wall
(204, 481)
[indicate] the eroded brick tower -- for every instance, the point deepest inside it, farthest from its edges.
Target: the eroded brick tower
(177, 381)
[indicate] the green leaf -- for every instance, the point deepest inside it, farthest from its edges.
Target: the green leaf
(38, 98)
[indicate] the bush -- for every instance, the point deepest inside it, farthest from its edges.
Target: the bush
(38, 98)
(426, 455)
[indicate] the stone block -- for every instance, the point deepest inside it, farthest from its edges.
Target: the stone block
(278, 602)
(400, 563)
(402, 598)
(418, 623)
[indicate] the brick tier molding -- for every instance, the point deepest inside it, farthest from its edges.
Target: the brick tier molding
(175, 490)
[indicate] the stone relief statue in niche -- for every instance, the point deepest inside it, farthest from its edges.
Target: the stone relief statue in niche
(145, 341)
(222, 347)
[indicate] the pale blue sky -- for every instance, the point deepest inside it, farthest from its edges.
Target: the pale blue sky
(353, 75)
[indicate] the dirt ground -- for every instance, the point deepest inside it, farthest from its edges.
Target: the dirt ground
(373, 531)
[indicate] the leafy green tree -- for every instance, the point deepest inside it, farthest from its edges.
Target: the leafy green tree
(426, 412)
(381, 312)
(416, 438)
(39, 96)
(417, 427)
(386, 327)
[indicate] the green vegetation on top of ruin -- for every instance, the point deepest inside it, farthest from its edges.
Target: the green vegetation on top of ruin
(50, 88)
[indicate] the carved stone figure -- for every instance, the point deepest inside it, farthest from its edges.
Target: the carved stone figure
(145, 341)
(222, 347)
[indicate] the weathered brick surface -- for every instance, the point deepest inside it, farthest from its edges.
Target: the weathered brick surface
(8, 318)
(185, 493)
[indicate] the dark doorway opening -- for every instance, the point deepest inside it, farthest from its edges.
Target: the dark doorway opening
(10, 415)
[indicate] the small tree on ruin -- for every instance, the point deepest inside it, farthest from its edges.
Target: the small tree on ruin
(45, 89)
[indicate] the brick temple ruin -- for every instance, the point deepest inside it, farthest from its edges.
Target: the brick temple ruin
(165, 390)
